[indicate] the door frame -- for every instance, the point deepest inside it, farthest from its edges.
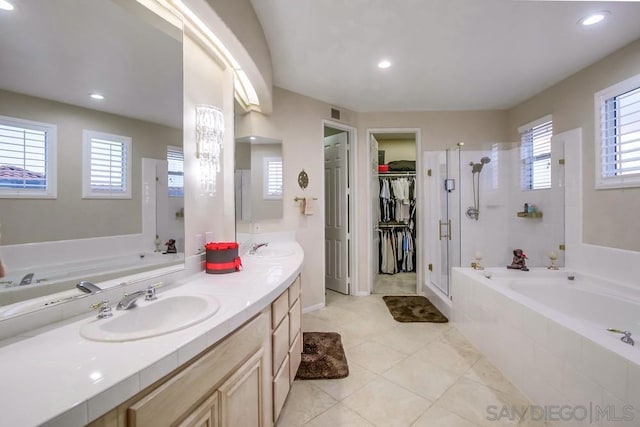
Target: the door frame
(370, 218)
(352, 237)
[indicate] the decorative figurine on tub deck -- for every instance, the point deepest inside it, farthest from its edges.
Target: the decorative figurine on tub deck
(518, 262)
(171, 247)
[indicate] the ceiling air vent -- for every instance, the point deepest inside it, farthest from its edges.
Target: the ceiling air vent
(335, 113)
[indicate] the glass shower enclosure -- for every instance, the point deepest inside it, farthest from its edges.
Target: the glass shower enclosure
(442, 218)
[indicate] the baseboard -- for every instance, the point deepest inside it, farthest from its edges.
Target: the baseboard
(362, 293)
(313, 308)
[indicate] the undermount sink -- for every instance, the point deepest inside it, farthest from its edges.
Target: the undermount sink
(273, 252)
(167, 314)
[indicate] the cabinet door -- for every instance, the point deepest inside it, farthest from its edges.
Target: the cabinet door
(241, 395)
(206, 415)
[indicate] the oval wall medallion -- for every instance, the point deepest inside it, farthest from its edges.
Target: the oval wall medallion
(303, 179)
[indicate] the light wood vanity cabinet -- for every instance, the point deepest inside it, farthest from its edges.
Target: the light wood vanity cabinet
(241, 381)
(228, 385)
(286, 315)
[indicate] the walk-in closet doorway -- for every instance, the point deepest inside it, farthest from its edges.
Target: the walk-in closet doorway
(394, 190)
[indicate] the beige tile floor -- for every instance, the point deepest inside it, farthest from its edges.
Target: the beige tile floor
(401, 374)
(395, 284)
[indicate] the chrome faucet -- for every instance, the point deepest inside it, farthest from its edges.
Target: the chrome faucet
(26, 280)
(257, 246)
(129, 300)
(626, 336)
(88, 287)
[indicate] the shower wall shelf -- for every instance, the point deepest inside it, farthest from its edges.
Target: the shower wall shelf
(529, 214)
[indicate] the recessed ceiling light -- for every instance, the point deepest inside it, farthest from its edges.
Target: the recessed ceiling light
(96, 96)
(384, 64)
(594, 18)
(5, 5)
(253, 138)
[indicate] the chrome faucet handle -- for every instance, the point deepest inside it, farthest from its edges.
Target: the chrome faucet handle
(150, 294)
(626, 336)
(103, 307)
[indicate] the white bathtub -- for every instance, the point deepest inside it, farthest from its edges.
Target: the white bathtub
(591, 303)
(548, 334)
(60, 279)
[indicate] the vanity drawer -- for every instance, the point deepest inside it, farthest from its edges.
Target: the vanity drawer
(280, 388)
(279, 309)
(280, 343)
(294, 291)
(294, 321)
(295, 356)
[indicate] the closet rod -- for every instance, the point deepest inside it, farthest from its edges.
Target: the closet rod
(380, 175)
(393, 225)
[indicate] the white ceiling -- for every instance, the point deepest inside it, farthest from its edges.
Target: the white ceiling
(446, 54)
(65, 49)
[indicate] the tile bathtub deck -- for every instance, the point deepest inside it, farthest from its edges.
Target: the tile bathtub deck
(401, 374)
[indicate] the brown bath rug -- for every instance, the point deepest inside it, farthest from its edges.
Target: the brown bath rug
(322, 357)
(413, 309)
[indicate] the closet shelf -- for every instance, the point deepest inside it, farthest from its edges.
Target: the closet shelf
(392, 225)
(407, 173)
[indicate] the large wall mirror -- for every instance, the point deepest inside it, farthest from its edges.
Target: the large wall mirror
(258, 181)
(91, 111)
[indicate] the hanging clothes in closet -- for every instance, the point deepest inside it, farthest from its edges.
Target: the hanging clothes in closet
(397, 215)
(397, 249)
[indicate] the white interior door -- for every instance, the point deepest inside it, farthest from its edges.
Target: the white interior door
(336, 220)
(375, 208)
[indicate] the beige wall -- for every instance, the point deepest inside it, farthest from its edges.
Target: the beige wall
(402, 149)
(610, 216)
(69, 216)
(262, 209)
(243, 155)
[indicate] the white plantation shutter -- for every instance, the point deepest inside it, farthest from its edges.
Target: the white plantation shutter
(620, 127)
(107, 168)
(535, 156)
(175, 165)
(25, 158)
(617, 133)
(272, 179)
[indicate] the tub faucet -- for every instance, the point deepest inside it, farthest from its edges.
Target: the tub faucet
(88, 287)
(26, 280)
(626, 336)
(257, 246)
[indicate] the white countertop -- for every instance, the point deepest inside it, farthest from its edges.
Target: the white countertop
(56, 377)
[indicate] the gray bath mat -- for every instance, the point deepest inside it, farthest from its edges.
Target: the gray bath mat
(322, 357)
(413, 309)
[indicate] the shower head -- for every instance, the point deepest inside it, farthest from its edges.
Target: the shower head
(477, 167)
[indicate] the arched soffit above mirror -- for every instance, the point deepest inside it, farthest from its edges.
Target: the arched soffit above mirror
(241, 46)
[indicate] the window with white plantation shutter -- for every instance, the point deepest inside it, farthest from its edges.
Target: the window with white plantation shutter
(272, 178)
(618, 135)
(27, 159)
(535, 155)
(106, 166)
(175, 166)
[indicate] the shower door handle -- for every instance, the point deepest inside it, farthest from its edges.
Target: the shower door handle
(447, 233)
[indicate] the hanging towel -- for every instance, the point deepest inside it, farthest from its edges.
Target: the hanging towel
(307, 206)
